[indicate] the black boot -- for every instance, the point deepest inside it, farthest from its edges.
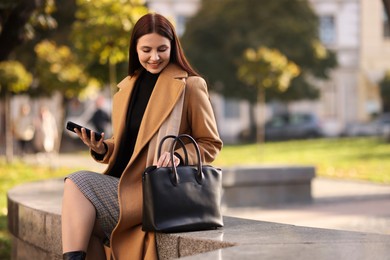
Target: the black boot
(74, 255)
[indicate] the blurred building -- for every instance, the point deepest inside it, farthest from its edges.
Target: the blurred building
(357, 30)
(178, 11)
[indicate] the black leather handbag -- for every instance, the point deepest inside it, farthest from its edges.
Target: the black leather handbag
(182, 198)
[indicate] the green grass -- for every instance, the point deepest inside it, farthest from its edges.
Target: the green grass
(348, 158)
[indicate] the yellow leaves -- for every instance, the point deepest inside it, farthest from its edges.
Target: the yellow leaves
(91, 90)
(251, 55)
(265, 67)
(14, 77)
(102, 29)
(50, 6)
(62, 64)
(127, 24)
(58, 57)
(55, 68)
(320, 51)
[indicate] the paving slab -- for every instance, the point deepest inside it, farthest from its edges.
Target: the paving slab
(337, 204)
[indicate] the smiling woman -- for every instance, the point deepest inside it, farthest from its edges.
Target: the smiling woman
(162, 95)
(154, 52)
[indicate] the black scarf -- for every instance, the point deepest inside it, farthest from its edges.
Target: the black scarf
(138, 101)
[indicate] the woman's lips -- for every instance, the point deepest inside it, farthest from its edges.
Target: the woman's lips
(154, 65)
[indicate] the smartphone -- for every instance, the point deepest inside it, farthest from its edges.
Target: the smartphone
(71, 126)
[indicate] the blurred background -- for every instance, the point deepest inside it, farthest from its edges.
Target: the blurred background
(276, 71)
(291, 81)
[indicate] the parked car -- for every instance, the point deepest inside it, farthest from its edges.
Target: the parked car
(377, 127)
(385, 126)
(292, 126)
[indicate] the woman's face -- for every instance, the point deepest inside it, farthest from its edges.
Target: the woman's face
(154, 52)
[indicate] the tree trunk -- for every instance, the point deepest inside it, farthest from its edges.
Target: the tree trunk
(9, 147)
(261, 115)
(251, 134)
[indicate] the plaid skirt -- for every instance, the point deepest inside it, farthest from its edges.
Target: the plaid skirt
(102, 191)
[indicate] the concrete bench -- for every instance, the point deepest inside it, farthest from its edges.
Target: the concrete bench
(263, 186)
(34, 218)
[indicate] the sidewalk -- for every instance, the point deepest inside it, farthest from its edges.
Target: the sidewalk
(337, 204)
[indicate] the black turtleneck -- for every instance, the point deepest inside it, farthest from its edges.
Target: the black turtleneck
(138, 101)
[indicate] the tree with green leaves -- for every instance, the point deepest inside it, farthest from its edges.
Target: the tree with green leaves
(19, 21)
(265, 68)
(100, 31)
(101, 34)
(218, 34)
(13, 77)
(58, 66)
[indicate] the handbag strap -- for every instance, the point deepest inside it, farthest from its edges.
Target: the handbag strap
(181, 144)
(199, 174)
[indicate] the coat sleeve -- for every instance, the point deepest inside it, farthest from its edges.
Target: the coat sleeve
(200, 122)
(109, 144)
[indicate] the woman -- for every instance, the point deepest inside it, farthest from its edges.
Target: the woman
(23, 128)
(106, 209)
(46, 133)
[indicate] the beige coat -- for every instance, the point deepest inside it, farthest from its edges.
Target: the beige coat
(128, 241)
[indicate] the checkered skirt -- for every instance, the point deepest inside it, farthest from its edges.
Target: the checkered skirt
(102, 191)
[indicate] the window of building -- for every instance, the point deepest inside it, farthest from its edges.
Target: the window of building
(180, 24)
(329, 100)
(231, 109)
(327, 30)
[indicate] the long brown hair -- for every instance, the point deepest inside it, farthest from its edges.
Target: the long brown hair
(156, 23)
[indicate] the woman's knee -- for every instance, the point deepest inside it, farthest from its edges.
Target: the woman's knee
(72, 191)
(69, 185)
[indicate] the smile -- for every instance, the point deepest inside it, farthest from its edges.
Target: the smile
(154, 63)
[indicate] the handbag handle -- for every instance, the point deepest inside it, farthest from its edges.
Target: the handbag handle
(199, 174)
(181, 144)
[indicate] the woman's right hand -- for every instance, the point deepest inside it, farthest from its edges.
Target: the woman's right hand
(165, 160)
(96, 146)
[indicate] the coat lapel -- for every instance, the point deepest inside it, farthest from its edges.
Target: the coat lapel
(126, 87)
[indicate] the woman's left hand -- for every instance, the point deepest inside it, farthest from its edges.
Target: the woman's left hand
(165, 160)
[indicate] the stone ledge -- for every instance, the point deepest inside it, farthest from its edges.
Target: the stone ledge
(35, 225)
(264, 186)
(34, 219)
(267, 175)
(250, 239)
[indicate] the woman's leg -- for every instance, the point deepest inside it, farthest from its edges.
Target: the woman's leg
(78, 218)
(94, 195)
(95, 246)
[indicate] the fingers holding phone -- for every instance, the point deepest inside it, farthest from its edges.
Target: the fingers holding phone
(92, 139)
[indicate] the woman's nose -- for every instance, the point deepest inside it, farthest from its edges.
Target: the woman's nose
(155, 56)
